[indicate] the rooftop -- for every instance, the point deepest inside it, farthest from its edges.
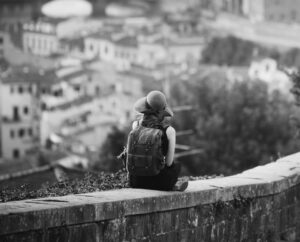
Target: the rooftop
(127, 41)
(27, 74)
(77, 73)
(43, 25)
(178, 41)
(74, 103)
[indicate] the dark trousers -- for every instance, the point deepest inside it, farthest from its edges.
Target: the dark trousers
(164, 181)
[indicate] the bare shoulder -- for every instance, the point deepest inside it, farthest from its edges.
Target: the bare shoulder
(135, 124)
(171, 132)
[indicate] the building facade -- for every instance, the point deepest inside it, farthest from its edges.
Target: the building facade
(101, 46)
(2, 40)
(19, 116)
(40, 38)
(282, 10)
(117, 48)
(286, 11)
(171, 6)
(15, 11)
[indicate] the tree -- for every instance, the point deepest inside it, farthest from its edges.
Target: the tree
(111, 148)
(239, 126)
(232, 51)
(228, 51)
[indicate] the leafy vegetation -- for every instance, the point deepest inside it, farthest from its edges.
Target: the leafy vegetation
(239, 125)
(228, 51)
(112, 147)
(232, 51)
(92, 182)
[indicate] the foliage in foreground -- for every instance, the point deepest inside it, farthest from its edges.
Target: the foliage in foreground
(90, 183)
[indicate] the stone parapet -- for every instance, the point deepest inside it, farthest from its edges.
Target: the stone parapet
(260, 204)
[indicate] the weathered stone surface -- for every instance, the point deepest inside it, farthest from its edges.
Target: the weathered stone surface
(261, 204)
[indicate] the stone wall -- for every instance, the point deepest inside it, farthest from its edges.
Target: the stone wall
(261, 204)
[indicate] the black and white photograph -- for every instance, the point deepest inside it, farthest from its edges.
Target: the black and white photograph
(150, 120)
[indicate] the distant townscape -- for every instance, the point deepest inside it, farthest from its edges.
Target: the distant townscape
(65, 82)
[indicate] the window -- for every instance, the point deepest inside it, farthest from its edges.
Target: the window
(12, 134)
(91, 47)
(267, 68)
(21, 133)
(77, 88)
(43, 106)
(45, 43)
(16, 153)
(32, 42)
(1, 40)
(16, 116)
(20, 89)
(30, 132)
(294, 15)
(97, 90)
(106, 49)
(25, 110)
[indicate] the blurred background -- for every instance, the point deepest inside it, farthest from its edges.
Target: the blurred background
(71, 70)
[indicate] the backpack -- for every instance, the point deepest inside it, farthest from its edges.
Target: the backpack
(144, 151)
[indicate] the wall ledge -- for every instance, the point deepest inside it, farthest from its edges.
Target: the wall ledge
(50, 212)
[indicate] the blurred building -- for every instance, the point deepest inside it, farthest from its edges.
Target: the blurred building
(73, 102)
(287, 11)
(169, 49)
(267, 70)
(126, 51)
(117, 48)
(2, 39)
(274, 10)
(16, 11)
(171, 6)
(41, 37)
(86, 102)
(50, 36)
(19, 112)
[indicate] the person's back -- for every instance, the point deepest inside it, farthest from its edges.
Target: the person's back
(154, 109)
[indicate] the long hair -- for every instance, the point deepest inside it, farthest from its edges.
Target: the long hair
(152, 119)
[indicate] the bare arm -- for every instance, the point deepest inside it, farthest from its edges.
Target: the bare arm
(171, 135)
(134, 124)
